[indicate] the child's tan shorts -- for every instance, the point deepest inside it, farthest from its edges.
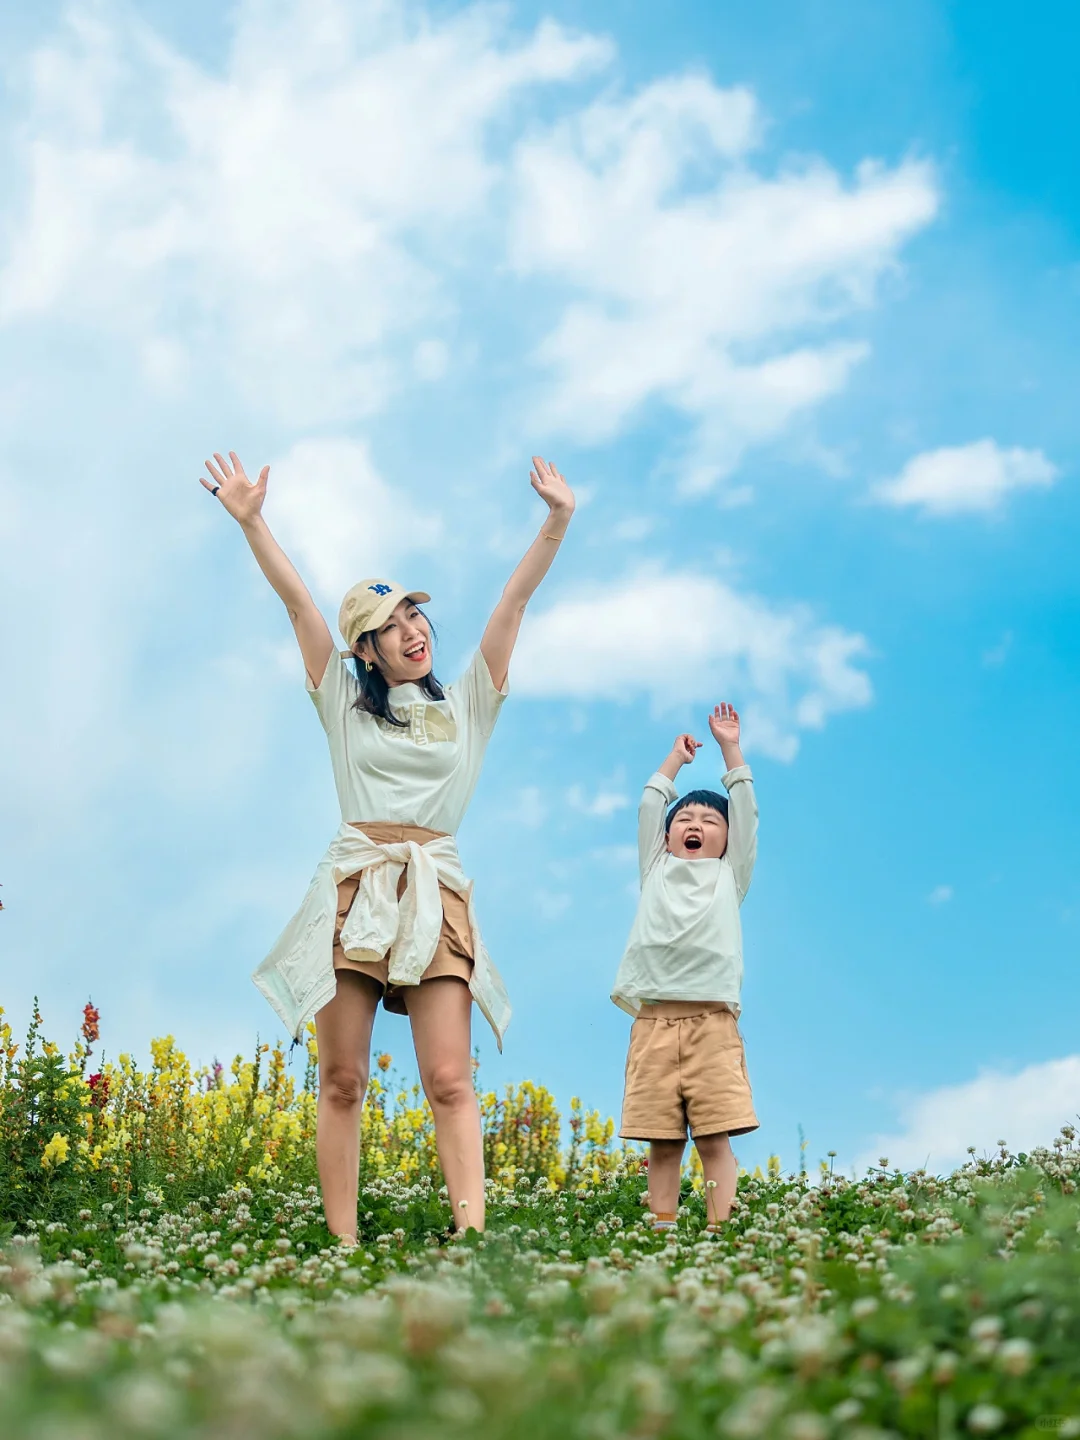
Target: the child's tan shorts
(453, 954)
(686, 1066)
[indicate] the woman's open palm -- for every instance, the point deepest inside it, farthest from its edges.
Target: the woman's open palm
(551, 486)
(242, 498)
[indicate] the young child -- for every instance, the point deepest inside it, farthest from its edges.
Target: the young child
(681, 976)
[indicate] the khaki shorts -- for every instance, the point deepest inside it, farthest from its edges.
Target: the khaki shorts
(453, 953)
(686, 1067)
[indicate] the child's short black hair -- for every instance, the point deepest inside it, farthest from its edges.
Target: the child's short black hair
(697, 797)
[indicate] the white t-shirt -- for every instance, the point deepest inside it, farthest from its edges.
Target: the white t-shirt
(423, 774)
(686, 943)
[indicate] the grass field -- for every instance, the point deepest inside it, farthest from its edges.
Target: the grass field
(171, 1276)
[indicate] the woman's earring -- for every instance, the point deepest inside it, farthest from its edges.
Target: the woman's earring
(367, 666)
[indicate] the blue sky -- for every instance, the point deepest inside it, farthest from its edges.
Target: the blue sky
(789, 292)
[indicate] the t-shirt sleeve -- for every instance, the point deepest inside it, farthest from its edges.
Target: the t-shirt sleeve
(658, 794)
(335, 692)
(476, 691)
(742, 826)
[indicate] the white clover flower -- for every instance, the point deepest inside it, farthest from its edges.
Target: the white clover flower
(945, 1366)
(985, 1419)
(1015, 1356)
(846, 1410)
(906, 1372)
(733, 1366)
(805, 1425)
(987, 1328)
(751, 1415)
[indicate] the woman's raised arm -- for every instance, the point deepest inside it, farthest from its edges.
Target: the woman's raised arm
(243, 499)
(501, 634)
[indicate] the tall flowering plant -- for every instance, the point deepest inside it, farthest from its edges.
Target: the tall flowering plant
(71, 1129)
(42, 1102)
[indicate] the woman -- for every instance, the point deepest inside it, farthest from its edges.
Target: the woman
(389, 913)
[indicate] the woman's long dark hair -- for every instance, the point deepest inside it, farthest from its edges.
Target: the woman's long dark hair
(374, 697)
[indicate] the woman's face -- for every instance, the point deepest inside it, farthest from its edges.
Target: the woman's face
(404, 651)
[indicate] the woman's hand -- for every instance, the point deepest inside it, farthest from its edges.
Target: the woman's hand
(551, 487)
(244, 501)
(500, 637)
(241, 498)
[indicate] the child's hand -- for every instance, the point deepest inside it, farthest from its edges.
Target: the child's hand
(724, 724)
(682, 753)
(685, 748)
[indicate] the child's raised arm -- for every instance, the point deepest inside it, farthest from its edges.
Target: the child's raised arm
(658, 795)
(742, 802)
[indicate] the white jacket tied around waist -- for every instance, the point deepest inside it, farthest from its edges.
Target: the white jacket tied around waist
(297, 977)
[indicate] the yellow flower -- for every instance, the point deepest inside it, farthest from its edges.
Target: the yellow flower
(56, 1151)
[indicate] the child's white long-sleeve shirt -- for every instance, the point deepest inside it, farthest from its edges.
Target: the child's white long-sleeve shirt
(686, 943)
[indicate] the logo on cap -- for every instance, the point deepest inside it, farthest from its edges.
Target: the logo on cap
(379, 589)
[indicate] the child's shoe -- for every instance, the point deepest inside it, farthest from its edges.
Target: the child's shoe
(662, 1220)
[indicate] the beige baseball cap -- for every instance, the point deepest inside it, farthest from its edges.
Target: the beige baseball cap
(370, 604)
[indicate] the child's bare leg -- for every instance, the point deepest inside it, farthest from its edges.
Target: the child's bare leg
(665, 1173)
(720, 1167)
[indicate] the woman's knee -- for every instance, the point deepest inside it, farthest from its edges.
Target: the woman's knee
(343, 1084)
(449, 1087)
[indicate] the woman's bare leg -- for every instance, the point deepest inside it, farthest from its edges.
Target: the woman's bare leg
(720, 1166)
(343, 1031)
(665, 1173)
(440, 1012)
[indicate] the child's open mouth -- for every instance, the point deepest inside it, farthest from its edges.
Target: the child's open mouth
(692, 842)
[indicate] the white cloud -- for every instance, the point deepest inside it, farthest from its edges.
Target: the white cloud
(696, 276)
(285, 215)
(681, 637)
(339, 520)
(430, 359)
(966, 479)
(1025, 1110)
(940, 895)
(600, 806)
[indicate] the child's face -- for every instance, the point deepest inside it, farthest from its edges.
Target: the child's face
(697, 833)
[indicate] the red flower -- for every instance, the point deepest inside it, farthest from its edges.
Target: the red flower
(91, 1023)
(99, 1091)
